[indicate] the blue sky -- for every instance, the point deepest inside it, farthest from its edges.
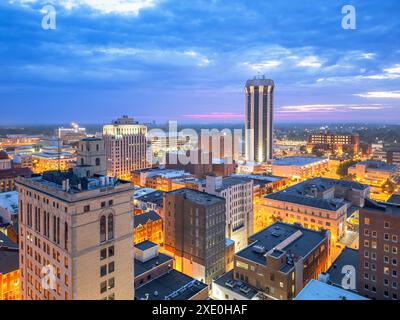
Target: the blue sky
(188, 60)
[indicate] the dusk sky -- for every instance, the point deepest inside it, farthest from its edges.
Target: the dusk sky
(188, 60)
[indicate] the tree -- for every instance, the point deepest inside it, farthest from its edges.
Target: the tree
(343, 168)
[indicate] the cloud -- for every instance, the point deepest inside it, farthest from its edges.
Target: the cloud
(125, 7)
(323, 108)
(310, 62)
(380, 94)
(216, 115)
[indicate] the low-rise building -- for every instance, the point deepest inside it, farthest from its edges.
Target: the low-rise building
(49, 161)
(279, 262)
(318, 290)
(151, 200)
(299, 167)
(155, 278)
(9, 269)
(334, 143)
(317, 203)
(374, 173)
(148, 226)
(158, 178)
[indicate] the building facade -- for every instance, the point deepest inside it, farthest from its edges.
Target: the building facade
(335, 143)
(75, 238)
(195, 233)
(279, 262)
(379, 267)
(238, 195)
(259, 114)
(126, 147)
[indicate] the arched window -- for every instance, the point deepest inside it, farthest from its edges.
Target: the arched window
(103, 229)
(110, 226)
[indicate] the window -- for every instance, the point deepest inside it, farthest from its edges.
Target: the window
(103, 270)
(102, 229)
(97, 161)
(66, 235)
(103, 254)
(86, 208)
(111, 251)
(111, 267)
(111, 283)
(103, 287)
(366, 221)
(110, 227)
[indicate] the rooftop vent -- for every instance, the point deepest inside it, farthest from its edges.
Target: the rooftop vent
(258, 249)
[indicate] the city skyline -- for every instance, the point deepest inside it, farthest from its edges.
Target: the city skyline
(171, 60)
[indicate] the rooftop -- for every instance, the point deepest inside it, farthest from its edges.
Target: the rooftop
(143, 267)
(9, 260)
(382, 207)
(284, 195)
(15, 172)
(155, 197)
(297, 161)
(304, 193)
(145, 245)
(380, 165)
(348, 257)
(317, 290)
(7, 242)
(258, 179)
(198, 197)
(9, 201)
(303, 243)
(394, 199)
(243, 289)
(173, 285)
(144, 218)
(260, 82)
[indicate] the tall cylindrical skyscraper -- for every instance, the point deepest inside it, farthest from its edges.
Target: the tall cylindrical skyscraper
(259, 119)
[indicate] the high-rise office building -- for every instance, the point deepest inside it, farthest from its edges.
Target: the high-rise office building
(126, 146)
(75, 237)
(195, 233)
(259, 119)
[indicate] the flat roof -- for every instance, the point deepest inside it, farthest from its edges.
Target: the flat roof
(379, 165)
(228, 282)
(174, 285)
(9, 201)
(297, 161)
(348, 257)
(156, 197)
(145, 245)
(275, 234)
(317, 290)
(143, 267)
(303, 193)
(198, 197)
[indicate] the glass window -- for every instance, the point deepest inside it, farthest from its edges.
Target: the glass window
(103, 229)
